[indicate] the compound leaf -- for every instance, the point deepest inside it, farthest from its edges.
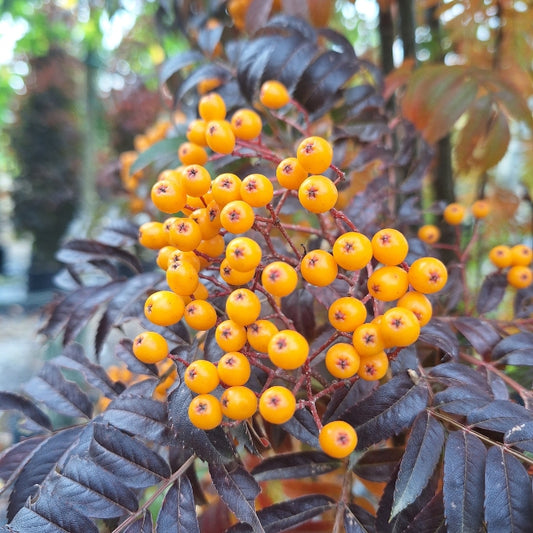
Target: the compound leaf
(379, 464)
(98, 492)
(238, 489)
(39, 465)
(58, 393)
(518, 345)
(294, 465)
(358, 520)
(464, 464)
(439, 334)
(13, 401)
(480, 333)
(15, 457)
(521, 436)
(178, 512)
(499, 415)
(391, 408)
(421, 456)
(508, 496)
(491, 292)
(126, 457)
(143, 524)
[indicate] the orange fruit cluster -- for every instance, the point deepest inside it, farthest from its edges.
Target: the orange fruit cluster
(209, 248)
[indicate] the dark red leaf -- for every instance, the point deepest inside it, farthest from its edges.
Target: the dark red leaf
(238, 489)
(491, 292)
(521, 436)
(178, 511)
(388, 411)
(452, 373)
(464, 483)
(294, 465)
(12, 401)
(297, 307)
(303, 426)
(345, 397)
(358, 520)
(421, 456)
(379, 464)
(439, 334)
(178, 62)
(480, 333)
(13, 459)
(143, 524)
(499, 415)
(508, 496)
(518, 344)
(59, 394)
(461, 400)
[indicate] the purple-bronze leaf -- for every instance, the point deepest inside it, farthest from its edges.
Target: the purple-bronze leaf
(12, 401)
(491, 292)
(178, 511)
(292, 513)
(378, 464)
(520, 436)
(479, 333)
(297, 307)
(518, 344)
(461, 400)
(499, 415)
(421, 456)
(128, 458)
(59, 394)
(388, 411)
(140, 416)
(15, 457)
(508, 495)
(464, 481)
(211, 446)
(303, 426)
(294, 465)
(458, 374)
(358, 520)
(343, 398)
(49, 514)
(92, 488)
(238, 489)
(439, 334)
(42, 461)
(74, 358)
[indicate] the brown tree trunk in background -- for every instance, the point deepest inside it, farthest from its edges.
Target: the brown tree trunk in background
(407, 28)
(386, 35)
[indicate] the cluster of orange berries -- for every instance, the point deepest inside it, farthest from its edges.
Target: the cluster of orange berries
(517, 260)
(206, 242)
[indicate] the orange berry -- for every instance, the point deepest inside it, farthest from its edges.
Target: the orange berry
(288, 349)
(168, 197)
(388, 283)
(234, 277)
(373, 367)
(480, 208)
(521, 254)
(246, 124)
(212, 107)
(196, 132)
(192, 154)
(234, 369)
(162, 256)
(259, 333)
(342, 361)
(152, 235)
(243, 306)
(226, 188)
(319, 268)
(399, 327)
(427, 275)
(277, 404)
(205, 412)
(389, 246)
(454, 214)
(185, 234)
(419, 304)
(501, 256)
(315, 154)
(219, 136)
(274, 94)
(290, 173)
(337, 439)
(318, 194)
(208, 218)
(213, 247)
(188, 257)
(279, 278)
(352, 250)
(230, 336)
(150, 347)
(200, 315)
(367, 339)
(347, 313)
(238, 402)
(257, 190)
(182, 278)
(243, 254)
(519, 277)
(196, 180)
(237, 217)
(429, 234)
(201, 376)
(164, 308)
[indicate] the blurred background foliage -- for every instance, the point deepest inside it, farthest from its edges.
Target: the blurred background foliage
(461, 71)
